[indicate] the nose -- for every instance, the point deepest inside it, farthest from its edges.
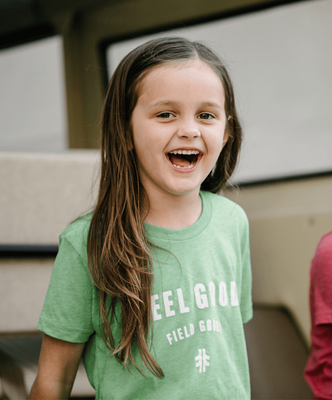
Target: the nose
(189, 130)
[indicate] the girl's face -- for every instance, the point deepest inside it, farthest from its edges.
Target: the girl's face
(178, 127)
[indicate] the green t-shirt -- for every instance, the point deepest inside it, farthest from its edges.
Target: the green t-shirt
(201, 298)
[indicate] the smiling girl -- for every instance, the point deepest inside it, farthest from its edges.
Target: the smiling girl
(154, 286)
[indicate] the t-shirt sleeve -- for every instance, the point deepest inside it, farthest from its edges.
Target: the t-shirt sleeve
(318, 372)
(246, 282)
(321, 282)
(66, 314)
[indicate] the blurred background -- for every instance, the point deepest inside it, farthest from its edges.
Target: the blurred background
(56, 58)
(279, 59)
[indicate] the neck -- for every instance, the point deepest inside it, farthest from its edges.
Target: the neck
(174, 211)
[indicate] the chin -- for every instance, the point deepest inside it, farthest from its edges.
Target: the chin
(182, 191)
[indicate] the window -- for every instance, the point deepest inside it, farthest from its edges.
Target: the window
(280, 62)
(32, 112)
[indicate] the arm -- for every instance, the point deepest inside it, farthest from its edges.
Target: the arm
(318, 372)
(57, 369)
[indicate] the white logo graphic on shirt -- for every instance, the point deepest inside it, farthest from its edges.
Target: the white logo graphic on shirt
(171, 302)
(202, 360)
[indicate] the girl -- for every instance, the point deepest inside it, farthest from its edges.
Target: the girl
(154, 286)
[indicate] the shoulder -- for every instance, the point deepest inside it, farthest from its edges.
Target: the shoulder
(325, 244)
(225, 208)
(77, 233)
(323, 256)
(321, 281)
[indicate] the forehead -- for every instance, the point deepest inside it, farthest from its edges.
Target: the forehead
(181, 79)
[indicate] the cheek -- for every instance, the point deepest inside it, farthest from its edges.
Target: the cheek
(140, 141)
(216, 145)
(217, 142)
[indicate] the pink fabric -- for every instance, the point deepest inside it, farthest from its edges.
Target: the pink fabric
(318, 372)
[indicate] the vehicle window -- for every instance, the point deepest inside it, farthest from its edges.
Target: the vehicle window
(32, 112)
(280, 62)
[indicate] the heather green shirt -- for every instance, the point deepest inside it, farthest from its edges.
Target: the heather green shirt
(201, 298)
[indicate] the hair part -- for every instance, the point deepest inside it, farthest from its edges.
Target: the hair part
(119, 258)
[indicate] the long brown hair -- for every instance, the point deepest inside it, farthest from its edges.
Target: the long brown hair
(119, 259)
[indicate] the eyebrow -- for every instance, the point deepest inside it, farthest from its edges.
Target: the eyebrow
(176, 103)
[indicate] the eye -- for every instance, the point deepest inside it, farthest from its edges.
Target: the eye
(206, 116)
(165, 115)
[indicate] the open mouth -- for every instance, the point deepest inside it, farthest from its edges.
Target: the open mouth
(184, 158)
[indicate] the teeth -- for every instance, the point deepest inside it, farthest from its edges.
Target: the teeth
(185, 152)
(187, 167)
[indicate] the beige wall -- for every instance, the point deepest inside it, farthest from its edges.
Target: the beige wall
(287, 221)
(40, 194)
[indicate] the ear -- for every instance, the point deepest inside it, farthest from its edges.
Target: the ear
(226, 133)
(130, 142)
(226, 137)
(130, 145)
